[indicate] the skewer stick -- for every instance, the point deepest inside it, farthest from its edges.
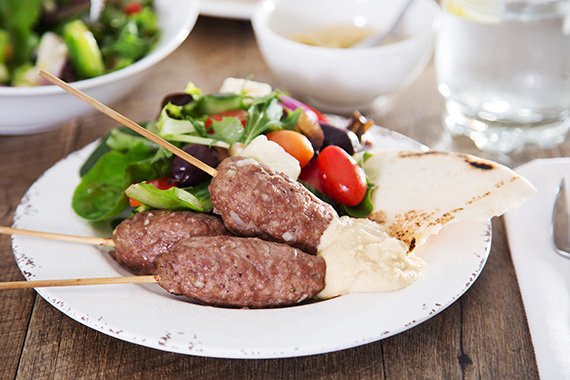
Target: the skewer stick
(54, 236)
(129, 123)
(78, 282)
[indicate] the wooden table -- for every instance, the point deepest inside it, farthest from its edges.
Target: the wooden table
(482, 335)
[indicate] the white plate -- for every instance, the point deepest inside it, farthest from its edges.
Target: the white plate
(147, 315)
(236, 9)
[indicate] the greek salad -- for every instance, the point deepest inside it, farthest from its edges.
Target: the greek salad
(68, 39)
(128, 173)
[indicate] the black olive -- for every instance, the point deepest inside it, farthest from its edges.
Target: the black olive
(187, 174)
(340, 137)
(178, 99)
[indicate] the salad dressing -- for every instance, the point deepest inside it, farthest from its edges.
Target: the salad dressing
(339, 36)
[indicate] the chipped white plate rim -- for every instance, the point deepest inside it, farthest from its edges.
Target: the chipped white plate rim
(147, 315)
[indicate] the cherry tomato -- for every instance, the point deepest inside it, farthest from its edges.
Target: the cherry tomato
(341, 177)
(294, 143)
(161, 183)
(238, 114)
(132, 8)
(310, 175)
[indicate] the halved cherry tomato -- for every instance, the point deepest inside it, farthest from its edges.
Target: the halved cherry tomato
(132, 8)
(238, 114)
(341, 177)
(294, 143)
(161, 183)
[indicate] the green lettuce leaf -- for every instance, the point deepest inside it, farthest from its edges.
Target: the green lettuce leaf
(195, 198)
(100, 195)
(229, 129)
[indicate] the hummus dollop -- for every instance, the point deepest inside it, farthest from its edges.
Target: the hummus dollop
(362, 257)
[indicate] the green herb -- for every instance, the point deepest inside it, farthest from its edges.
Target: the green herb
(18, 18)
(129, 46)
(363, 158)
(291, 118)
(146, 21)
(263, 115)
(365, 207)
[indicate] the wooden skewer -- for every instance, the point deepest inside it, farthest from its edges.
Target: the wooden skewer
(128, 122)
(54, 236)
(78, 282)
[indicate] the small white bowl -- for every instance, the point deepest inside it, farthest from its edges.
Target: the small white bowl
(25, 110)
(342, 80)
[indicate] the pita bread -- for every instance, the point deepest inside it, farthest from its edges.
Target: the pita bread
(420, 192)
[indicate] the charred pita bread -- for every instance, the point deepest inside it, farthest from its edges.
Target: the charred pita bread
(420, 192)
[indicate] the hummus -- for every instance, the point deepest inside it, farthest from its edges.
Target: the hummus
(362, 257)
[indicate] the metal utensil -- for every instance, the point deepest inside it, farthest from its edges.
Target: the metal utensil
(377, 39)
(561, 221)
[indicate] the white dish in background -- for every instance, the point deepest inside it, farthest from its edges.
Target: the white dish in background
(543, 274)
(342, 80)
(26, 110)
(235, 9)
(149, 316)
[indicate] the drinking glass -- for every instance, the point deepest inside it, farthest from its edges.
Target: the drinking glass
(503, 67)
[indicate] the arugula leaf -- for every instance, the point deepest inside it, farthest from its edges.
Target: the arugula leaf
(291, 118)
(195, 198)
(264, 114)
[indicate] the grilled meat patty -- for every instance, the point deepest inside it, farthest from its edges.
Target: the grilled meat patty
(141, 239)
(253, 200)
(240, 272)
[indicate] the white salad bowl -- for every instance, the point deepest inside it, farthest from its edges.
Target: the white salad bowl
(336, 79)
(25, 110)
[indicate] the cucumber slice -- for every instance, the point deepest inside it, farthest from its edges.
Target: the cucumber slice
(84, 52)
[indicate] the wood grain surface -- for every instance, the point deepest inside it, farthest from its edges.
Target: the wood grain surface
(482, 335)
